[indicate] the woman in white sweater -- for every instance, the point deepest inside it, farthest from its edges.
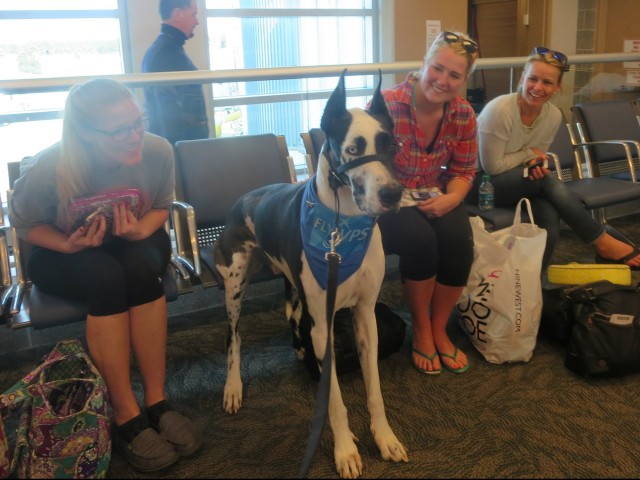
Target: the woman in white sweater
(514, 132)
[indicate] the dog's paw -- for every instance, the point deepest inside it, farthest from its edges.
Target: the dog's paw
(232, 399)
(348, 461)
(349, 466)
(391, 448)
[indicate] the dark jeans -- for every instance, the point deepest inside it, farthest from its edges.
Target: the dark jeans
(112, 278)
(551, 201)
(440, 246)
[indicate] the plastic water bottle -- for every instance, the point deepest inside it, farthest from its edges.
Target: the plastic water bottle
(486, 193)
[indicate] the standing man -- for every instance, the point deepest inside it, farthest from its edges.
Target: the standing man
(175, 112)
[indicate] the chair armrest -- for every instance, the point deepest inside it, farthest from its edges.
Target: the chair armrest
(183, 222)
(6, 298)
(556, 164)
(178, 264)
(625, 144)
(20, 277)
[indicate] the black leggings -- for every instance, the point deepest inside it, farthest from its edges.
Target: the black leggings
(112, 278)
(427, 247)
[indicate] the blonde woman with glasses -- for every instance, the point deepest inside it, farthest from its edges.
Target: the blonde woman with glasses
(94, 206)
(437, 149)
(515, 131)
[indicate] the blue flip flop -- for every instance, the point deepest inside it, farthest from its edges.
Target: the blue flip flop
(428, 357)
(453, 357)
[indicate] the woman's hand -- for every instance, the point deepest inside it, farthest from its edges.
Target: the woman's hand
(125, 223)
(438, 206)
(539, 171)
(87, 236)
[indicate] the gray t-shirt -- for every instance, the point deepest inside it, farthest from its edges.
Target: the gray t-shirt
(34, 200)
(505, 142)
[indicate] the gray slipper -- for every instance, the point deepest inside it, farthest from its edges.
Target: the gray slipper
(180, 432)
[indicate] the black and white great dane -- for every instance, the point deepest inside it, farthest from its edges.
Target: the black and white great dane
(354, 178)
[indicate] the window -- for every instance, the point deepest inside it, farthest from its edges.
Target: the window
(42, 39)
(247, 34)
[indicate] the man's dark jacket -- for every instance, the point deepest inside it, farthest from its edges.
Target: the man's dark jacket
(175, 112)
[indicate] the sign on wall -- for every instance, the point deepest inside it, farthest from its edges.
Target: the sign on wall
(633, 68)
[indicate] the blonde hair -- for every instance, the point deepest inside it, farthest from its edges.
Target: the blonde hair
(545, 58)
(457, 47)
(85, 104)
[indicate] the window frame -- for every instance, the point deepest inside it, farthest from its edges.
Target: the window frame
(371, 14)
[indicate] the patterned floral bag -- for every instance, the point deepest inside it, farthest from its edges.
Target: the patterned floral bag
(62, 415)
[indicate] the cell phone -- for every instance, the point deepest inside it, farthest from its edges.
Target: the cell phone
(528, 170)
(423, 194)
(93, 215)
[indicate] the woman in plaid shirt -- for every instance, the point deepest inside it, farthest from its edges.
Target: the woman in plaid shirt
(437, 149)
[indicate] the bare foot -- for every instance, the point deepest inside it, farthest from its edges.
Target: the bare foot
(614, 249)
(425, 359)
(452, 356)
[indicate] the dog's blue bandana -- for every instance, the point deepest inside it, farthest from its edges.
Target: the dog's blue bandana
(316, 224)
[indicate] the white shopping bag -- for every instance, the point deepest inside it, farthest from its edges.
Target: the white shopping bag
(501, 305)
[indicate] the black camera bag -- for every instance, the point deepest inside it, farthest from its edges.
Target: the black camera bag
(605, 336)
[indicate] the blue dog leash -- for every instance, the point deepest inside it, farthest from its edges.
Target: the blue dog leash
(324, 385)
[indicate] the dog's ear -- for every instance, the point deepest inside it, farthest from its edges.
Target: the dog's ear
(378, 106)
(336, 107)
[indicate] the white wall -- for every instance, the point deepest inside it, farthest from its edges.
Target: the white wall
(562, 35)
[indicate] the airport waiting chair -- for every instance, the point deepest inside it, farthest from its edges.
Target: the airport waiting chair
(609, 132)
(29, 306)
(313, 141)
(213, 173)
(596, 193)
(284, 151)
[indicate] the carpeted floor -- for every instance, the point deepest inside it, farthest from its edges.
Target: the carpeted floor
(527, 420)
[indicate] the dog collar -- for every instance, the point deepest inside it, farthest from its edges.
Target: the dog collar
(316, 224)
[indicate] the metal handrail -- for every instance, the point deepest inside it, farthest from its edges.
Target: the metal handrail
(36, 85)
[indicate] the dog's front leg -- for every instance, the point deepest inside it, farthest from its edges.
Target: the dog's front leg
(367, 342)
(346, 455)
(345, 451)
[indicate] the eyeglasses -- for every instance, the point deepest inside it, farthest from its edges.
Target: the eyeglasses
(469, 45)
(122, 133)
(559, 57)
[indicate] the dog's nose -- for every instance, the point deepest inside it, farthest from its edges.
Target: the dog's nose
(390, 195)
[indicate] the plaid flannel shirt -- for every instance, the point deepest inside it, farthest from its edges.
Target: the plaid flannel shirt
(455, 149)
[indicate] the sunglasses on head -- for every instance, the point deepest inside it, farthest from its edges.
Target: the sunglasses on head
(559, 57)
(469, 45)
